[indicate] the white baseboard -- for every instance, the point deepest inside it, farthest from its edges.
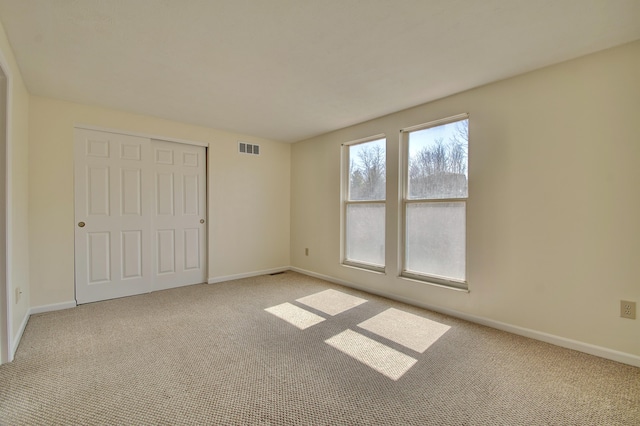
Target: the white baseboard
(214, 280)
(52, 307)
(602, 352)
(18, 336)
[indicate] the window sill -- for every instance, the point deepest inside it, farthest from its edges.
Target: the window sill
(364, 267)
(435, 284)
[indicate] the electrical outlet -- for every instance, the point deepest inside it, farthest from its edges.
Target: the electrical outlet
(18, 294)
(306, 252)
(627, 309)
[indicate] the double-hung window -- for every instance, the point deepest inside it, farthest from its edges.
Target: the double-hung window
(434, 202)
(364, 200)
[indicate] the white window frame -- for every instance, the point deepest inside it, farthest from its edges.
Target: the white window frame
(405, 201)
(345, 202)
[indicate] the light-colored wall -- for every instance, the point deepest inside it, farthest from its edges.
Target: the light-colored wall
(248, 196)
(553, 230)
(18, 151)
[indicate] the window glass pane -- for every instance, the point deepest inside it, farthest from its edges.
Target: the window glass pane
(438, 161)
(365, 233)
(435, 242)
(367, 170)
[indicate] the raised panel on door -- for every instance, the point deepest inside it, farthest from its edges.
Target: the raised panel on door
(191, 249)
(98, 191)
(112, 203)
(131, 192)
(165, 199)
(190, 195)
(99, 257)
(132, 254)
(166, 251)
(180, 197)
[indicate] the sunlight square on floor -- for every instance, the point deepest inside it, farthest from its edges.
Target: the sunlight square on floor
(295, 316)
(409, 330)
(375, 355)
(331, 301)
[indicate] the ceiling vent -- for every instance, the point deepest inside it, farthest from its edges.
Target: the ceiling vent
(248, 148)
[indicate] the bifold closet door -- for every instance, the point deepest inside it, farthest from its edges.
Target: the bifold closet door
(179, 228)
(112, 215)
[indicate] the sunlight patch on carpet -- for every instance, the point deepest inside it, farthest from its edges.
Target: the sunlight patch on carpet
(331, 301)
(381, 358)
(406, 329)
(295, 316)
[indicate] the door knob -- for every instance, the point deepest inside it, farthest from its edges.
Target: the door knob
(81, 224)
(201, 220)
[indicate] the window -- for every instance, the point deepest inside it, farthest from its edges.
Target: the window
(364, 183)
(435, 201)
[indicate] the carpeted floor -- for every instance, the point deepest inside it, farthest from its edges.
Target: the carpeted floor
(248, 352)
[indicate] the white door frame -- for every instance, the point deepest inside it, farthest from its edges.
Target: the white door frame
(165, 139)
(6, 319)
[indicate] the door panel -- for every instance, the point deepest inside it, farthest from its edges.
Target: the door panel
(112, 195)
(131, 191)
(191, 196)
(132, 253)
(99, 251)
(180, 176)
(164, 194)
(191, 249)
(166, 251)
(99, 191)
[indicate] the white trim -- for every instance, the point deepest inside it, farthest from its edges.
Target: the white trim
(623, 357)
(9, 350)
(141, 135)
(52, 307)
(18, 337)
(215, 280)
(365, 140)
(434, 123)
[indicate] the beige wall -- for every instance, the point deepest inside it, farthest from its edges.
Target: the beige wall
(248, 196)
(553, 212)
(19, 148)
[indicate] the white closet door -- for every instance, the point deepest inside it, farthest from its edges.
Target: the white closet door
(179, 211)
(113, 218)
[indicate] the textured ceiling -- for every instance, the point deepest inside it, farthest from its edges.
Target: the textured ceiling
(291, 69)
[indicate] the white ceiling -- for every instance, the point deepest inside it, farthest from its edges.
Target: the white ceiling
(291, 69)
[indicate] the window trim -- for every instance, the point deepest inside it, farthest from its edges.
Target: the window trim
(405, 200)
(345, 202)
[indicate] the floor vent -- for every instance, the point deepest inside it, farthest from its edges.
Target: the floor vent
(248, 148)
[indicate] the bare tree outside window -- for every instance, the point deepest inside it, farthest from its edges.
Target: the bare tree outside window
(367, 171)
(438, 162)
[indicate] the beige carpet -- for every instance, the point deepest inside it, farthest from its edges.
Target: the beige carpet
(218, 354)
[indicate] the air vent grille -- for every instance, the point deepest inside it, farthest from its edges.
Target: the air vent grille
(248, 148)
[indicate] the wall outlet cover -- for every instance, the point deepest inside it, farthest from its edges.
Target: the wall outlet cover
(627, 309)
